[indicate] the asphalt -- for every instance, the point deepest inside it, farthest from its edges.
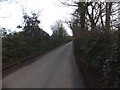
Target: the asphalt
(56, 69)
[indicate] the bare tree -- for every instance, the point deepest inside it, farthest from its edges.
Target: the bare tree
(108, 14)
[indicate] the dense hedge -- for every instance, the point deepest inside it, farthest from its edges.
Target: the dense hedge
(101, 53)
(19, 46)
(31, 41)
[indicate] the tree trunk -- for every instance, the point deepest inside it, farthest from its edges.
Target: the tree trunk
(82, 12)
(108, 13)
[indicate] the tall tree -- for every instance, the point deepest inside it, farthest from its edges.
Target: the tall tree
(108, 14)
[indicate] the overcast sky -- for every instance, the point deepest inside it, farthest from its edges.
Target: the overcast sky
(11, 13)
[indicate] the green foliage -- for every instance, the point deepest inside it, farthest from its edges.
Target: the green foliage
(101, 52)
(32, 41)
(96, 44)
(18, 46)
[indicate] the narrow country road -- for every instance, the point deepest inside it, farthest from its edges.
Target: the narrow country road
(56, 69)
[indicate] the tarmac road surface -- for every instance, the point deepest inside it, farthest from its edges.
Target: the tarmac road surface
(56, 69)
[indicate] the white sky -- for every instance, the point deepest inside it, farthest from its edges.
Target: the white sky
(50, 13)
